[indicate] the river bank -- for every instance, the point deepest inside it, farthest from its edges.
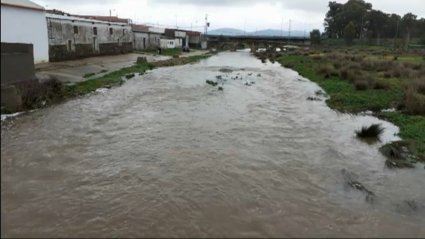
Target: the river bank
(365, 82)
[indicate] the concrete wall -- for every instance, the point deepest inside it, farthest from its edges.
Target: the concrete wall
(179, 42)
(17, 63)
(141, 40)
(154, 40)
(19, 25)
(72, 39)
(151, 40)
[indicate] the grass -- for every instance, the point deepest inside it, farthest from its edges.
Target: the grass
(88, 75)
(372, 131)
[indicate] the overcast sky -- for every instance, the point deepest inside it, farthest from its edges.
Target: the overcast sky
(259, 14)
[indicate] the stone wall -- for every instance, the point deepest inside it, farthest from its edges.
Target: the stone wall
(62, 53)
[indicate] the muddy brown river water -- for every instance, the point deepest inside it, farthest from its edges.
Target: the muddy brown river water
(167, 155)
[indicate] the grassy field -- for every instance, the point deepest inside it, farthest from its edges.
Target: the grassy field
(358, 81)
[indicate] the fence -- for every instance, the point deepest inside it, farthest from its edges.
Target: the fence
(17, 63)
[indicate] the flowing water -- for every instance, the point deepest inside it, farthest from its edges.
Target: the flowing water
(167, 155)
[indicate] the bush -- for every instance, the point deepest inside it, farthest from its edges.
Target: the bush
(36, 95)
(354, 66)
(395, 58)
(326, 70)
(317, 58)
(414, 102)
(373, 131)
(395, 150)
(387, 74)
(345, 73)
(368, 65)
(361, 85)
(381, 85)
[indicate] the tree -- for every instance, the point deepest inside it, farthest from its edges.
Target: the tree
(315, 37)
(349, 33)
(409, 23)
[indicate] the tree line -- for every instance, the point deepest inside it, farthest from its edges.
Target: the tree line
(356, 19)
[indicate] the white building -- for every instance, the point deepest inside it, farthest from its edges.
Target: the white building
(23, 21)
(73, 37)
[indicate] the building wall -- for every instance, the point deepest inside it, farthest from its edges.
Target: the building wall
(19, 25)
(67, 44)
(17, 63)
(154, 39)
(179, 42)
(167, 43)
(138, 41)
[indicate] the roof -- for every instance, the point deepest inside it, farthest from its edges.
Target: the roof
(142, 28)
(22, 4)
(193, 33)
(70, 18)
(103, 18)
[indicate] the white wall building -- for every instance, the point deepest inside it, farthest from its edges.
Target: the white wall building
(168, 43)
(23, 21)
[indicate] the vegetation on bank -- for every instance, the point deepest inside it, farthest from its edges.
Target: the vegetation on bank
(369, 80)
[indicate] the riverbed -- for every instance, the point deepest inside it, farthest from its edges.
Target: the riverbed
(167, 155)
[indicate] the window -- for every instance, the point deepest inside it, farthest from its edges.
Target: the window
(69, 45)
(94, 30)
(111, 31)
(75, 29)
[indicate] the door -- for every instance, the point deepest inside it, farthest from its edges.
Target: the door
(144, 43)
(184, 42)
(95, 44)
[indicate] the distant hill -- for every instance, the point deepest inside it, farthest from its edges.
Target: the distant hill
(268, 32)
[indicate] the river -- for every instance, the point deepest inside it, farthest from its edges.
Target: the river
(167, 155)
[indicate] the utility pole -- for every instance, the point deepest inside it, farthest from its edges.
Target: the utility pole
(398, 23)
(176, 21)
(281, 28)
(289, 32)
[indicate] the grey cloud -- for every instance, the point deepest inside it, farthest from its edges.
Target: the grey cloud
(307, 5)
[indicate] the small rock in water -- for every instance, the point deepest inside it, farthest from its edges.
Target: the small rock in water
(220, 88)
(259, 75)
(313, 99)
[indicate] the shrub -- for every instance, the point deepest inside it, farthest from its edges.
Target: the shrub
(326, 70)
(394, 150)
(395, 58)
(361, 85)
(387, 74)
(317, 58)
(414, 102)
(368, 65)
(344, 73)
(373, 131)
(381, 85)
(354, 66)
(36, 95)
